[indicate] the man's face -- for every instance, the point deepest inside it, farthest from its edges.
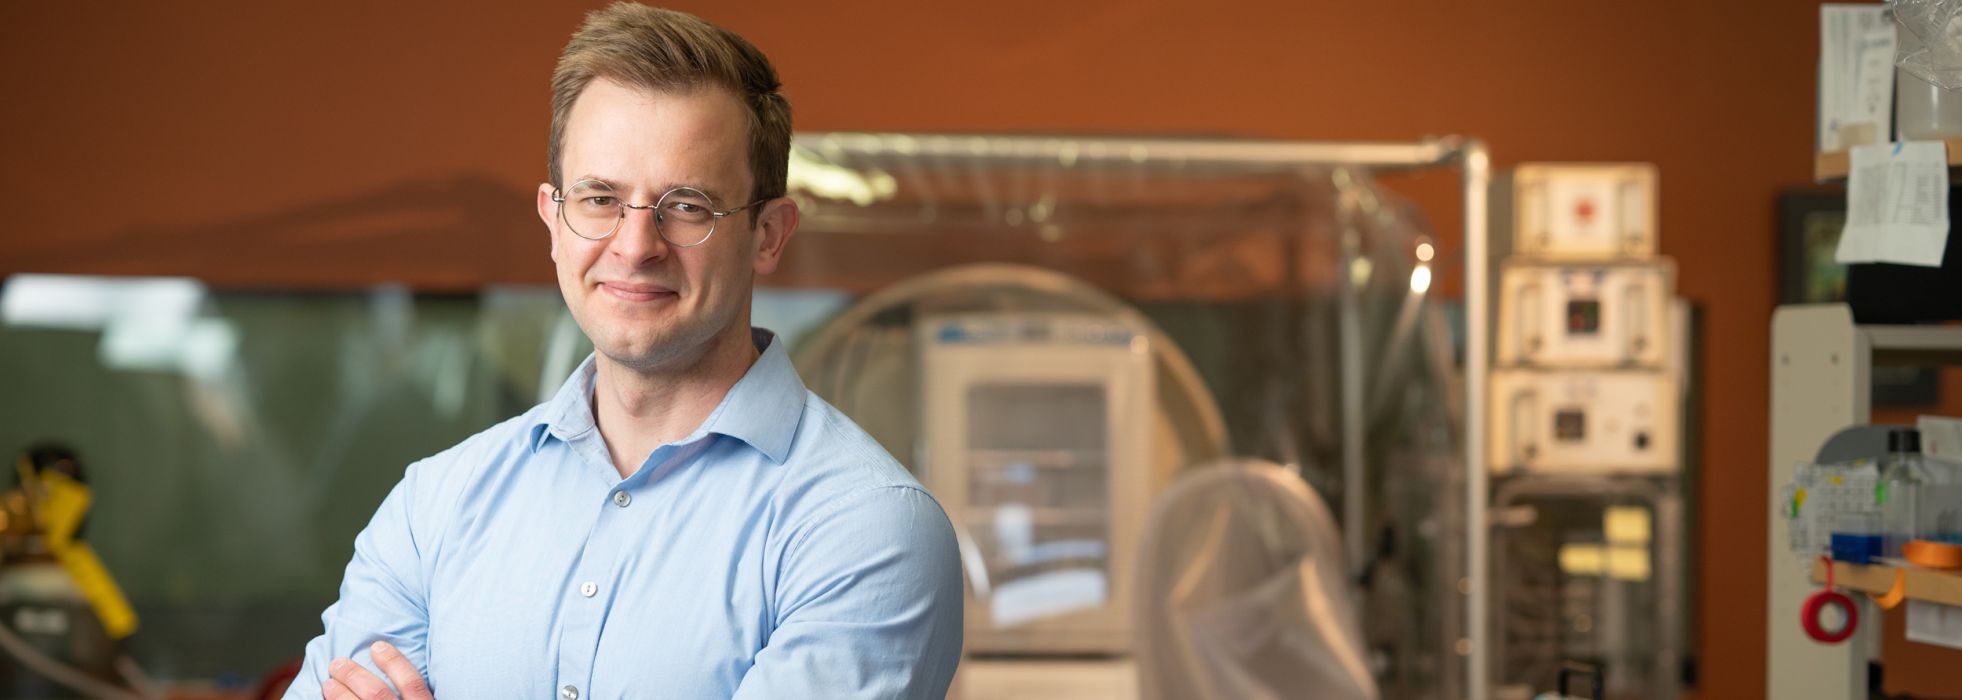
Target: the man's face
(647, 304)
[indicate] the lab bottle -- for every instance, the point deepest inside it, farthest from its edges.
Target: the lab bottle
(1923, 111)
(1902, 475)
(1938, 502)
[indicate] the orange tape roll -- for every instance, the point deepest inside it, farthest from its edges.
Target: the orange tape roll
(1933, 555)
(1895, 594)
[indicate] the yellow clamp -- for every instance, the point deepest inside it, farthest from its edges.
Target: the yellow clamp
(59, 508)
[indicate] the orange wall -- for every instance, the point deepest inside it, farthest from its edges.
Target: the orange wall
(155, 116)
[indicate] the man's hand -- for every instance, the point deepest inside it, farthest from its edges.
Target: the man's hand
(352, 682)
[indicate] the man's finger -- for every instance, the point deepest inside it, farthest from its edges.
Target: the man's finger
(408, 681)
(335, 690)
(358, 680)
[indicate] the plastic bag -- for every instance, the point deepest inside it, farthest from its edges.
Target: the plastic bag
(1931, 46)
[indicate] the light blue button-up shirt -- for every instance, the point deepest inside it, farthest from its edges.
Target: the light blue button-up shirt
(777, 552)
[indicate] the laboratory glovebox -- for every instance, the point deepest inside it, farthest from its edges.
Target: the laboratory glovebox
(1574, 211)
(1585, 421)
(1037, 442)
(1585, 315)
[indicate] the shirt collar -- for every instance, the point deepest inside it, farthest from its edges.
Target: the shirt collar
(763, 409)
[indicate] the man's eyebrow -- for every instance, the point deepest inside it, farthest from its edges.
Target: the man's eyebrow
(704, 189)
(711, 192)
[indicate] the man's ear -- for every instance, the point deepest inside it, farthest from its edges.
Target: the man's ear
(548, 212)
(775, 224)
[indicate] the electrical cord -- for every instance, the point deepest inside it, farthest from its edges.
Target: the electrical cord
(73, 678)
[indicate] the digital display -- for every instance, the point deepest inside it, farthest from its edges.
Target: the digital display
(1570, 425)
(1584, 317)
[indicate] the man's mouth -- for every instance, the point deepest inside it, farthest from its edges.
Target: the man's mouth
(630, 291)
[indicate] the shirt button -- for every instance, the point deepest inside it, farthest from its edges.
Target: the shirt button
(620, 498)
(588, 589)
(569, 693)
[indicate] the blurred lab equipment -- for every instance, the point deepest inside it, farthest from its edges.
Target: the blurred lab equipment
(1035, 428)
(1241, 592)
(1584, 434)
(1928, 106)
(1894, 504)
(1585, 421)
(1903, 476)
(62, 617)
(1590, 212)
(1589, 569)
(1601, 314)
(235, 425)
(1049, 415)
(1050, 330)
(1866, 488)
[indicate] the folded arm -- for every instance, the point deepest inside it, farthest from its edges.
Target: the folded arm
(868, 603)
(383, 598)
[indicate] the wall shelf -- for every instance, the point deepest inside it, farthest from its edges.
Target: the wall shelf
(1833, 165)
(1943, 587)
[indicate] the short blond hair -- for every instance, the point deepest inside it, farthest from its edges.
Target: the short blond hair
(668, 51)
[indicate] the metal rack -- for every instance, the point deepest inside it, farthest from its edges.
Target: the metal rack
(1821, 382)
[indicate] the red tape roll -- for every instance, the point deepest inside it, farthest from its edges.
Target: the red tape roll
(1815, 605)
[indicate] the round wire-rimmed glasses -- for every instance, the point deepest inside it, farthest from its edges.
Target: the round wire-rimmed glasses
(684, 216)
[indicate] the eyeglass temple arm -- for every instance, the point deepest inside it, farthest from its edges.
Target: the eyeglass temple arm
(738, 210)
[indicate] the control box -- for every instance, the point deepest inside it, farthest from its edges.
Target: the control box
(1575, 211)
(1574, 315)
(1585, 421)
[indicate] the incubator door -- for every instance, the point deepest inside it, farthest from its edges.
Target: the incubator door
(1037, 445)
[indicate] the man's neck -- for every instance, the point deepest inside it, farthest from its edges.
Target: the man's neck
(638, 410)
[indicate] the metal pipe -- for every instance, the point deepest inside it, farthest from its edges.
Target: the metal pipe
(1477, 164)
(1350, 354)
(1132, 151)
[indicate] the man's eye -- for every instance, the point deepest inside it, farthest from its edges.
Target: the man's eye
(599, 201)
(688, 208)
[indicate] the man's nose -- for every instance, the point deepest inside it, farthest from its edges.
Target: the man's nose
(639, 237)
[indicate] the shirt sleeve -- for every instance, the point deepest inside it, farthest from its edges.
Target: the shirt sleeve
(383, 597)
(868, 604)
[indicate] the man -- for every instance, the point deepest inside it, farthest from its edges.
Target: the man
(684, 519)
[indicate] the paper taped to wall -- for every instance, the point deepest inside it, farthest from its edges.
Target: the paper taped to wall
(1856, 75)
(1897, 205)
